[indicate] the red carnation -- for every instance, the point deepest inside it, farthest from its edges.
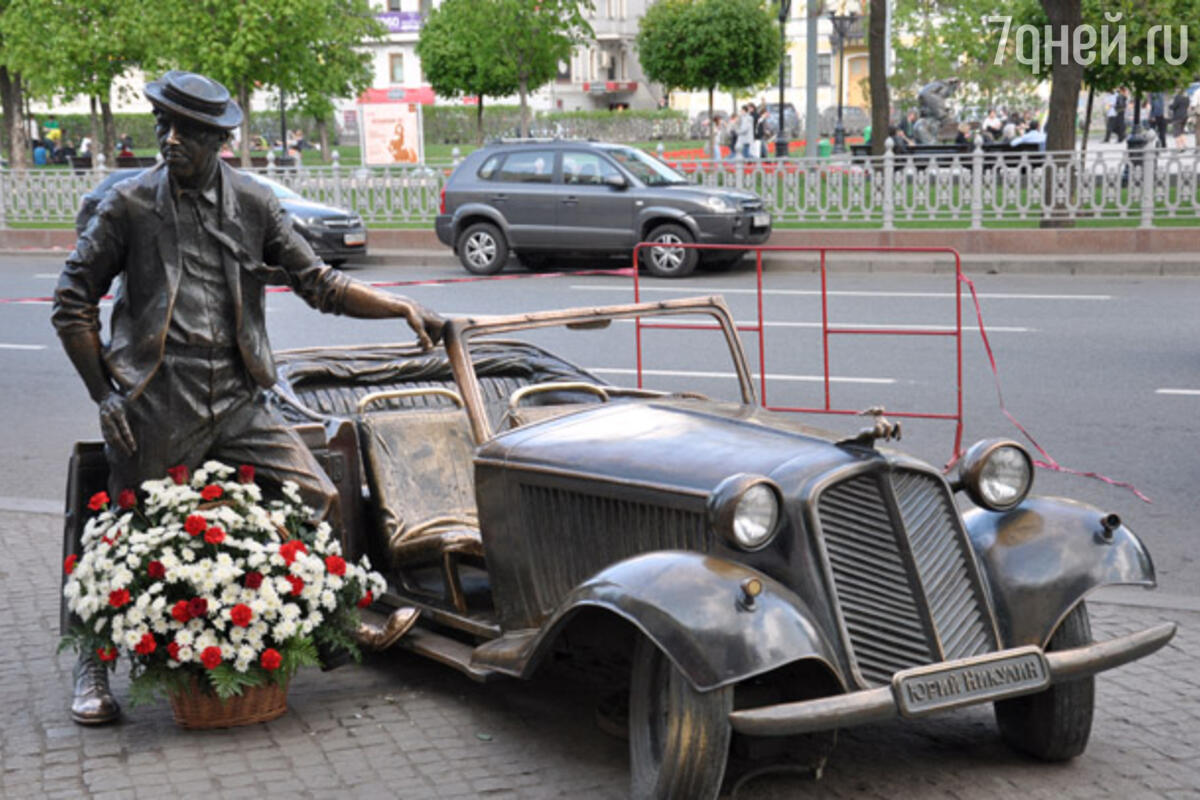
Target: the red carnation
(252, 580)
(297, 584)
(290, 549)
(98, 501)
(156, 570)
(211, 492)
(69, 564)
(126, 499)
(118, 597)
(197, 607)
(336, 565)
(271, 659)
(240, 615)
(211, 657)
(173, 651)
(195, 524)
(106, 653)
(366, 599)
(214, 535)
(181, 612)
(245, 474)
(147, 645)
(179, 474)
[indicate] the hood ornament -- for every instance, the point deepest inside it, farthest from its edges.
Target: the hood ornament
(882, 429)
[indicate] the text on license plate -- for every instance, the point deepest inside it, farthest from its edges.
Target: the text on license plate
(972, 680)
(761, 220)
(354, 238)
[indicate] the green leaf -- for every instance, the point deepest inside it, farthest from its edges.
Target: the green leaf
(227, 682)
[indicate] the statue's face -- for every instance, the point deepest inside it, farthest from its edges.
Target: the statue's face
(189, 147)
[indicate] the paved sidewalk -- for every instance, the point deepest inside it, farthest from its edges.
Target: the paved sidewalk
(402, 727)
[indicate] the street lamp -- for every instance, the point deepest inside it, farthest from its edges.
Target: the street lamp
(781, 142)
(841, 29)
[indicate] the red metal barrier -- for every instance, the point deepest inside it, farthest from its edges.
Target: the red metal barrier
(827, 330)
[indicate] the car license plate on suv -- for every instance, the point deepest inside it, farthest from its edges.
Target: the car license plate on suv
(761, 220)
(970, 680)
(354, 238)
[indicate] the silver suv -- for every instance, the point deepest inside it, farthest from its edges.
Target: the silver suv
(542, 199)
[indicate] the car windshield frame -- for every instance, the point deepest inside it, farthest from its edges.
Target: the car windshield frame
(460, 331)
(647, 169)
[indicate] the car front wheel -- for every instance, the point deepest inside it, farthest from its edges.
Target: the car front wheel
(667, 261)
(1054, 724)
(482, 249)
(678, 737)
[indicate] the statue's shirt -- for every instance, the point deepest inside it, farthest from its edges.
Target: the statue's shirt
(204, 313)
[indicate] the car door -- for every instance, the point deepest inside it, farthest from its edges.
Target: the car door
(592, 214)
(524, 192)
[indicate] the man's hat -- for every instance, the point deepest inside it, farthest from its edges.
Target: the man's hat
(195, 97)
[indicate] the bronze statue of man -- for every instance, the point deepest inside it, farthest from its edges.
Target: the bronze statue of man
(194, 243)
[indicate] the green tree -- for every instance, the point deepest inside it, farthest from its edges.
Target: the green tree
(457, 50)
(76, 47)
(280, 43)
(12, 102)
(700, 45)
(532, 37)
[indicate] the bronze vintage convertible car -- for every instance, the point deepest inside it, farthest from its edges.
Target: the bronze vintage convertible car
(766, 579)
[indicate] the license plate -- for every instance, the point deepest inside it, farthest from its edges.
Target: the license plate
(970, 680)
(354, 238)
(761, 220)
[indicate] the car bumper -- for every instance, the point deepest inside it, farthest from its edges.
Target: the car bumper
(734, 228)
(444, 227)
(911, 690)
(336, 243)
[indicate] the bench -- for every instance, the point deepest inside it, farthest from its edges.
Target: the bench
(260, 162)
(995, 154)
(81, 163)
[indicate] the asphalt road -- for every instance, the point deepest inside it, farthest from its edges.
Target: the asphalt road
(1102, 371)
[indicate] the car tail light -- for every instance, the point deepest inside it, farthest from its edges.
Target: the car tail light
(442, 203)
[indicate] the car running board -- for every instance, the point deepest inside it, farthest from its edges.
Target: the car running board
(445, 650)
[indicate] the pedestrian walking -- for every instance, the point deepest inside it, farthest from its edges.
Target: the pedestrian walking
(1179, 116)
(1110, 116)
(743, 131)
(1121, 106)
(1158, 116)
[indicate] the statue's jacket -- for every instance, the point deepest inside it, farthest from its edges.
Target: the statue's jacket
(134, 235)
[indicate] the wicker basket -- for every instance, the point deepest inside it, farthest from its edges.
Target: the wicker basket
(197, 709)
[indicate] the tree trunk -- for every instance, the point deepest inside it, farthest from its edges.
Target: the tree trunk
(94, 129)
(323, 138)
(1087, 119)
(524, 94)
(479, 121)
(877, 69)
(713, 144)
(109, 131)
(14, 114)
(1066, 79)
(243, 95)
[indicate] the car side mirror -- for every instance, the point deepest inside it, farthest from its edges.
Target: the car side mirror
(615, 181)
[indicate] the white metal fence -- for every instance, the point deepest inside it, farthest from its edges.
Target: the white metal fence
(972, 188)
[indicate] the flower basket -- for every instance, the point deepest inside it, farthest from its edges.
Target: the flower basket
(198, 710)
(213, 595)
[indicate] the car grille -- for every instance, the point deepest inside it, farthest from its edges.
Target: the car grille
(342, 222)
(613, 530)
(907, 588)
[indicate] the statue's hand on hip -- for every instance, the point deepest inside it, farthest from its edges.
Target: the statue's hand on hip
(114, 424)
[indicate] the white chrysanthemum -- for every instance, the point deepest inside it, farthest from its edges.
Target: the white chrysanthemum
(186, 654)
(160, 626)
(284, 630)
(328, 600)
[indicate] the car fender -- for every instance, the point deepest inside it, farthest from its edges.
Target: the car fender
(694, 609)
(471, 211)
(683, 218)
(1042, 557)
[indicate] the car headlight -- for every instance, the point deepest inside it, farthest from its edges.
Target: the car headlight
(718, 204)
(996, 473)
(745, 510)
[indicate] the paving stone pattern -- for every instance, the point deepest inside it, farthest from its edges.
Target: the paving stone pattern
(402, 727)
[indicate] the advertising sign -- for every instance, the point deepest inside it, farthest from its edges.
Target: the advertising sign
(391, 133)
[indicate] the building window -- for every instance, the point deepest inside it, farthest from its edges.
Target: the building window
(396, 67)
(824, 69)
(564, 72)
(394, 5)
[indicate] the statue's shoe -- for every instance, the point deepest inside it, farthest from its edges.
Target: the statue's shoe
(381, 637)
(92, 702)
